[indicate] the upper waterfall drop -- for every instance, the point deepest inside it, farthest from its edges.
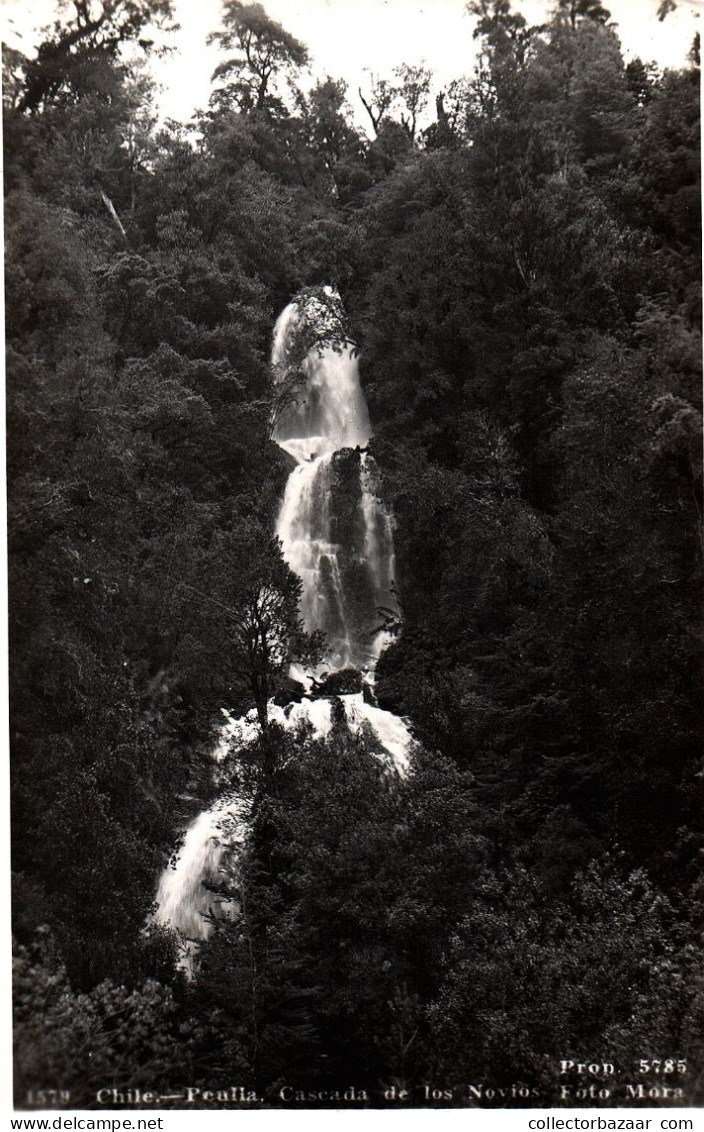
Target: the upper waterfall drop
(327, 410)
(336, 535)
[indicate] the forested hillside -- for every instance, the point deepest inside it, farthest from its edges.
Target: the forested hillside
(520, 266)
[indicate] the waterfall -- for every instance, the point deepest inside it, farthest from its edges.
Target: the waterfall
(337, 537)
(187, 897)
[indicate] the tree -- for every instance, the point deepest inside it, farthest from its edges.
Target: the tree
(449, 129)
(351, 881)
(412, 91)
(331, 140)
(496, 16)
(13, 73)
(378, 101)
(327, 117)
(83, 1042)
(98, 28)
(253, 597)
(526, 291)
(526, 975)
(662, 193)
(576, 10)
(267, 55)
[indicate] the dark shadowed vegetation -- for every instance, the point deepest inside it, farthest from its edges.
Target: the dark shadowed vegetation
(522, 273)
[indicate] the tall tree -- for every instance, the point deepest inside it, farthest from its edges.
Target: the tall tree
(252, 596)
(378, 100)
(412, 91)
(266, 57)
(576, 10)
(66, 62)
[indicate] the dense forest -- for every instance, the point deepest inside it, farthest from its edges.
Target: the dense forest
(519, 260)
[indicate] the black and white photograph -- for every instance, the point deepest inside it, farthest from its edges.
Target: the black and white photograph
(354, 558)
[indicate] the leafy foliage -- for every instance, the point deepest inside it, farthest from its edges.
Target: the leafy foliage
(523, 278)
(266, 52)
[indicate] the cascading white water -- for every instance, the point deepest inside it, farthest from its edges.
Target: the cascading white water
(337, 538)
(187, 897)
(327, 410)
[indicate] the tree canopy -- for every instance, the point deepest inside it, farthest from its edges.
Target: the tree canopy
(518, 257)
(266, 55)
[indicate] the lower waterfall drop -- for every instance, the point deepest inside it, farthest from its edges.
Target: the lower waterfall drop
(338, 538)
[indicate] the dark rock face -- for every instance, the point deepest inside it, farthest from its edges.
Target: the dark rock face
(346, 682)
